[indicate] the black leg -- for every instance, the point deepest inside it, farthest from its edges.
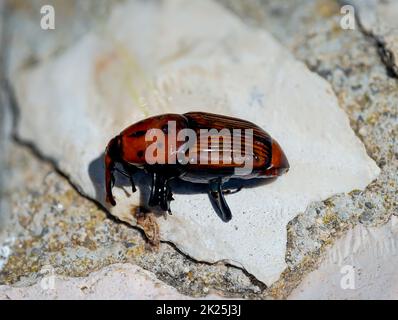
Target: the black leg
(167, 197)
(113, 180)
(217, 199)
(130, 169)
(133, 188)
(153, 198)
(161, 194)
(165, 204)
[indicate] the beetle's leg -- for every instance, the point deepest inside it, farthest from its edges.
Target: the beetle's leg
(133, 188)
(164, 204)
(130, 176)
(153, 198)
(167, 196)
(113, 179)
(130, 169)
(218, 200)
(160, 192)
(122, 172)
(163, 195)
(170, 195)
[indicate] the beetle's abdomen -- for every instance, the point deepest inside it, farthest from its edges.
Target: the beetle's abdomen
(225, 143)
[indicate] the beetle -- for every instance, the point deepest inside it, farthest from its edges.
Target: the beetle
(130, 150)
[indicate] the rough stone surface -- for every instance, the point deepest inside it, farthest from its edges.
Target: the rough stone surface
(379, 19)
(349, 60)
(198, 69)
(116, 282)
(4, 125)
(52, 225)
(360, 265)
(119, 281)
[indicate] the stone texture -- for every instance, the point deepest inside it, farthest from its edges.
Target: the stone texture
(116, 282)
(379, 19)
(370, 255)
(53, 225)
(110, 79)
(4, 124)
(349, 60)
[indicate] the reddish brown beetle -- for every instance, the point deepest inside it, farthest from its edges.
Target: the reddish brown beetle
(131, 149)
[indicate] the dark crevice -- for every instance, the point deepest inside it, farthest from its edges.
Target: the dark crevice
(252, 278)
(386, 56)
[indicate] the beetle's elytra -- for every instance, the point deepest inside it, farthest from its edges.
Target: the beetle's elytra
(206, 161)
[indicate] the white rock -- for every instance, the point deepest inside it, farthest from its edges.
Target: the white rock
(115, 282)
(181, 56)
(360, 265)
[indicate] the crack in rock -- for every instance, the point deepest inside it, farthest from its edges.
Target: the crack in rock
(378, 19)
(150, 228)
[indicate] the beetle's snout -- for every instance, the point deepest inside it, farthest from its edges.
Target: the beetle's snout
(279, 163)
(113, 148)
(112, 154)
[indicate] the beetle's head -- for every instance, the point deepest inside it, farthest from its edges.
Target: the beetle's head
(279, 164)
(112, 155)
